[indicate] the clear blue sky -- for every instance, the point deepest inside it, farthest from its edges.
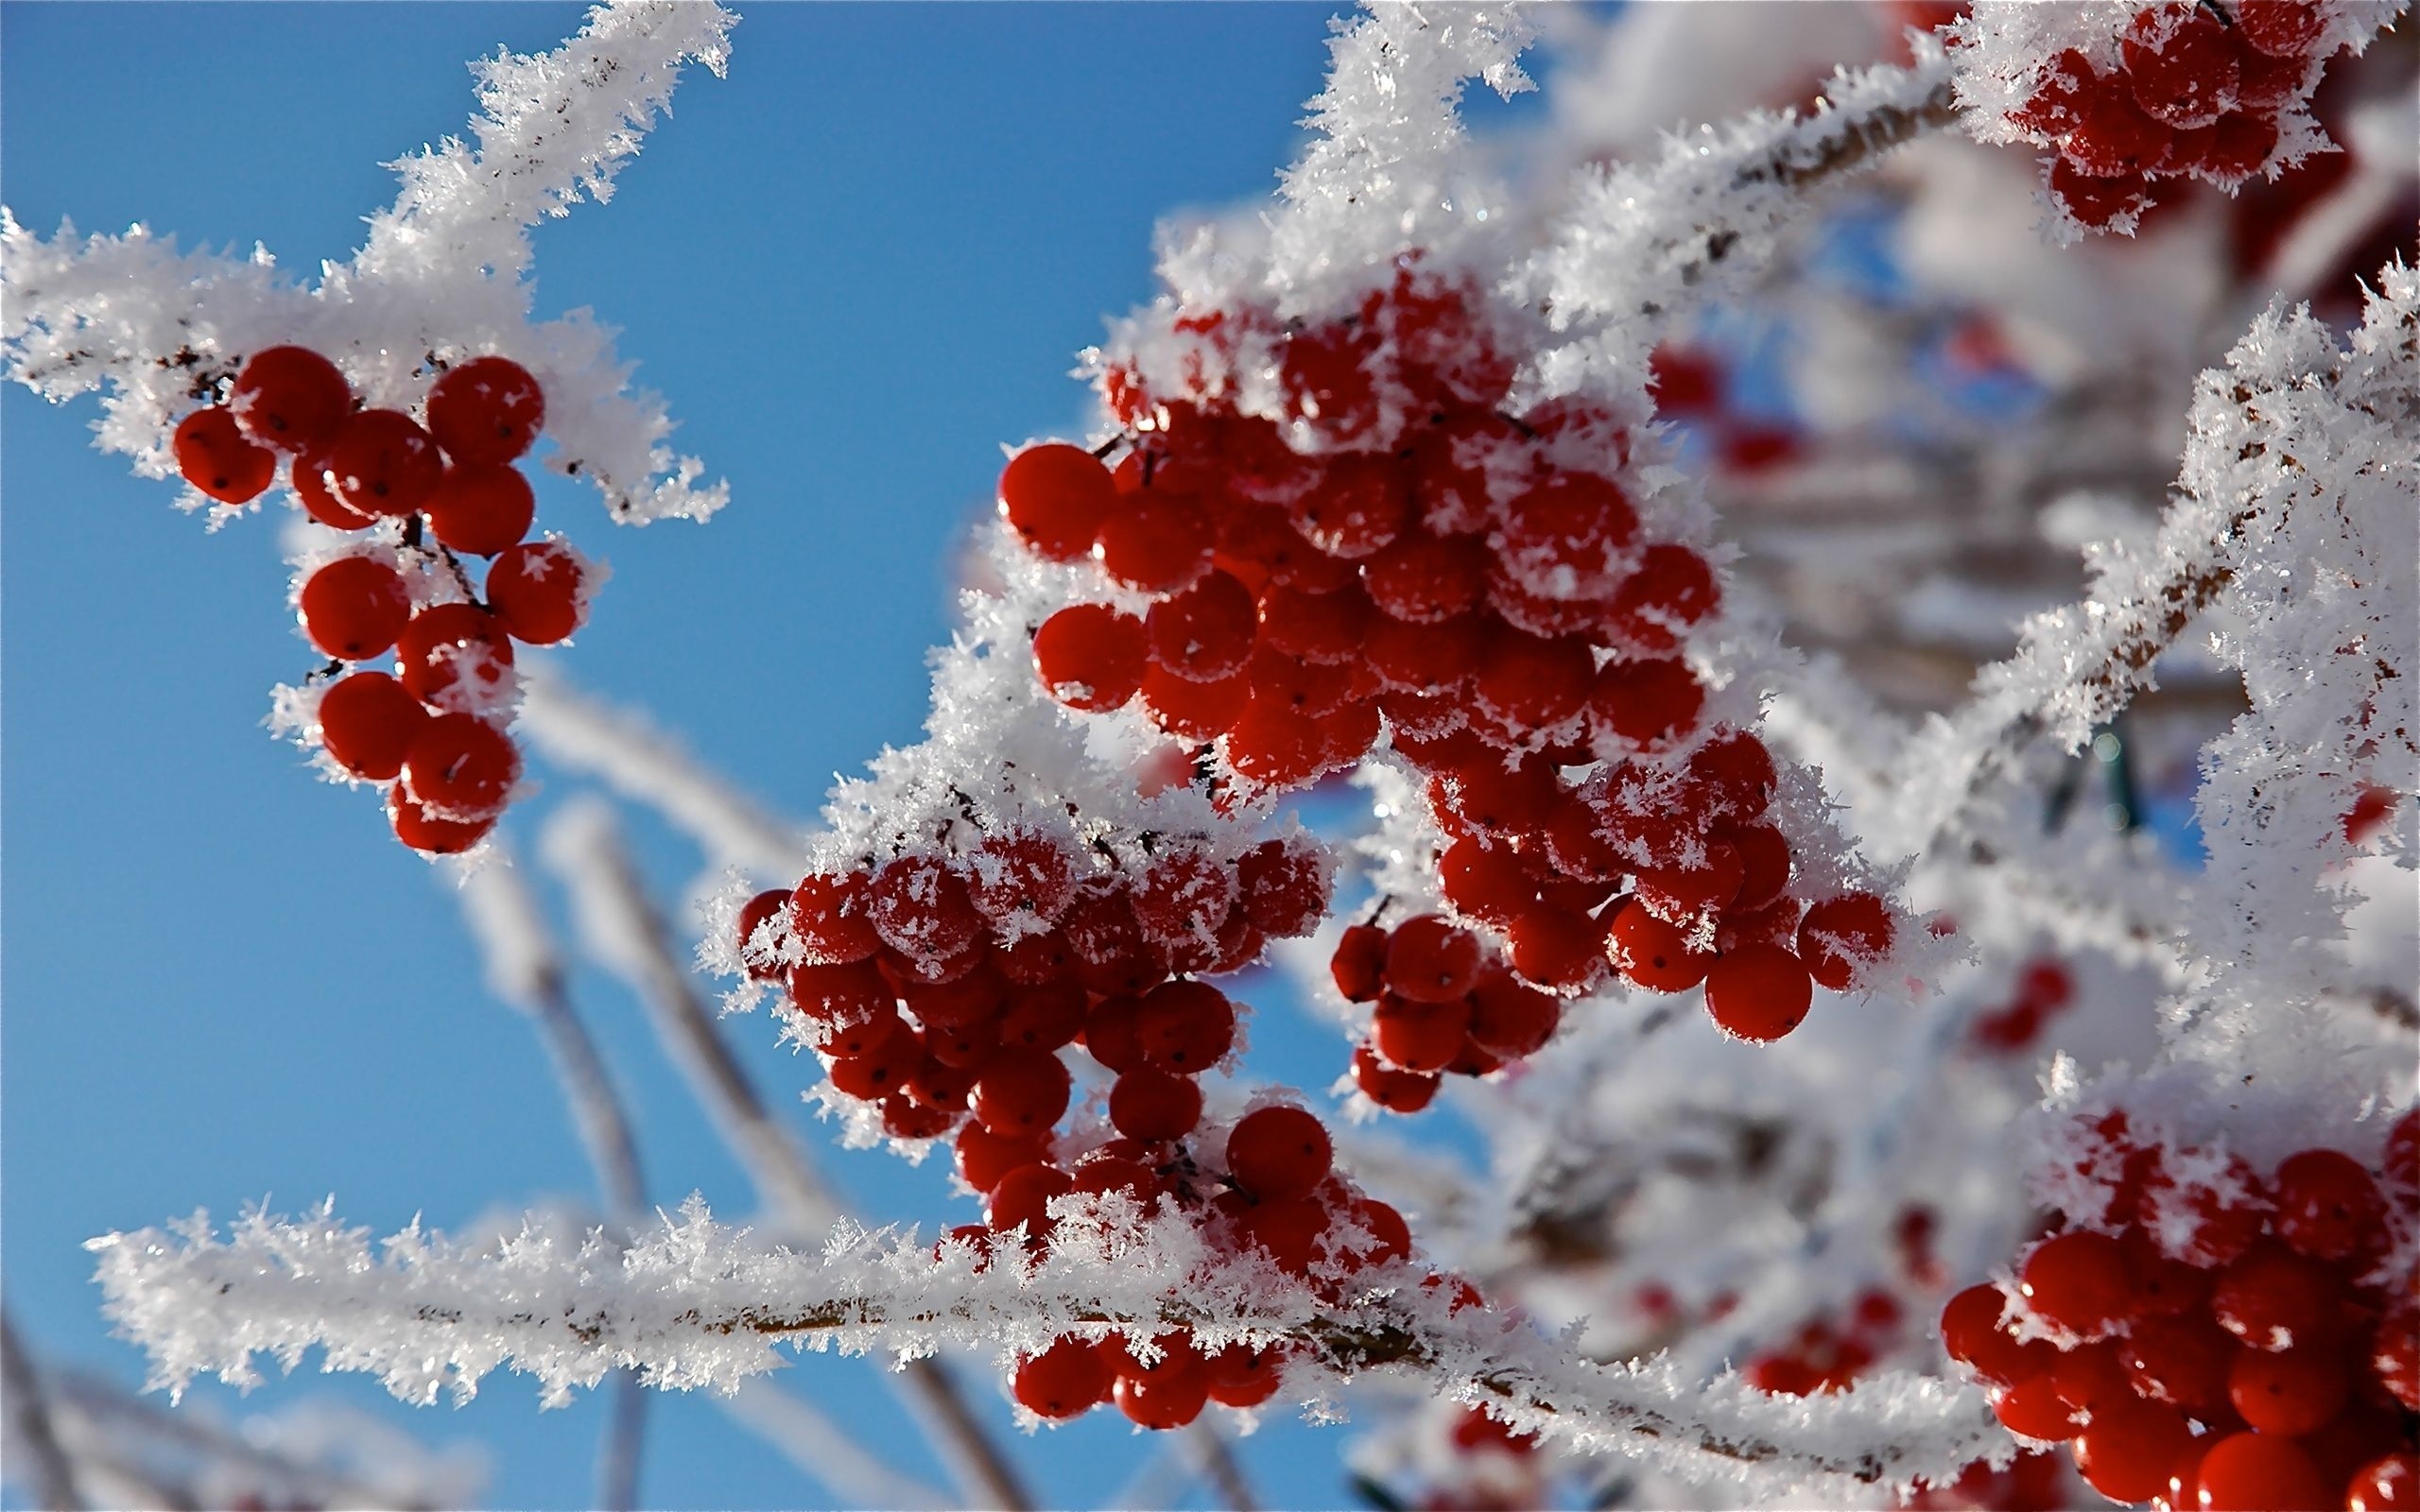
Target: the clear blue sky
(857, 267)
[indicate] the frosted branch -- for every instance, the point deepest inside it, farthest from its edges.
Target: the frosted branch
(443, 275)
(697, 1305)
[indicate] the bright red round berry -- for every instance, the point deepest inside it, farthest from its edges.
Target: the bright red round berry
(481, 509)
(291, 398)
(2328, 1206)
(2078, 1281)
(1055, 496)
(1653, 953)
(1279, 1153)
(1758, 992)
(2258, 1472)
(1432, 960)
(367, 721)
(1146, 1103)
(355, 607)
(381, 462)
(537, 591)
(1021, 1093)
(1842, 939)
(1067, 1380)
(1207, 632)
(1089, 657)
(214, 454)
(1397, 1091)
(425, 832)
(488, 409)
(461, 767)
(453, 656)
(921, 908)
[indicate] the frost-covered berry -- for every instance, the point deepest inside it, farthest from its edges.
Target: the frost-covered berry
(354, 608)
(460, 766)
(1279, 1153)
(291, 398)
(381, 462)
(1089, 657)
(489, 409)
(1055, 497)
(453, 656)
(214, 454)
(536, 591)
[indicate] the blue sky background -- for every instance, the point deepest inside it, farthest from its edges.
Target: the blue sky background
(857, 267)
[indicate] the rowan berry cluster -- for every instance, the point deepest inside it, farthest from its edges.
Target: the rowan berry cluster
(2044, 989)
(1383, 544)
(1824, 1356)
(941, 988)
(415, 496)
(1444, 1004)
(2190, 91)
(2214, 1339)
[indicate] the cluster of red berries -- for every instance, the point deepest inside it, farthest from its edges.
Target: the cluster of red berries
(433, 730)
(2196, 91)
(2044, 989)
(1444, 1004)
(1822, 1356)
(1399, 552)
(1693, 385)
(2215, 1340)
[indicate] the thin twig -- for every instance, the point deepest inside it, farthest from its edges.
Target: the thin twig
(584, 847)
(1219, 1464)
(54, 1474)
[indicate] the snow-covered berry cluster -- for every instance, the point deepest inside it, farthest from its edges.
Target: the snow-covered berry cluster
(1326, 534)
(1444, 1004)
(2213, 1337)
(411, 499)
(2131, 98)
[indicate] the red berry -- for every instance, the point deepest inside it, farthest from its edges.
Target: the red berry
(1285, 887)
(985, 1157)
(2033, 1409)
(488, 409)
(2078, 1281)
(1430, 960)
(214, 455)
(1067, 1380)
(1023, 1196)
(920, 907)
(1641, 705)
(1842, 939)
(1157, 540)
(1359, 964)
(367, 721)
(461, 767)
(1438, 658)
(2129, 1448)
(2256, 1472)
(1356, 511)
(2113, 137)
(2181, 65)
(852, 993)
(1089, 657)
(381, 462)
(1193, 711)
(291, 398)
(1426, 1036)
(354, 607)
(1561, 536)
(1244, 1377)
(1055, 496)
(1185, 895)
(759, 911)
(1737, 773)
(885, 1063)
(1184, 1027)
(2056, 104)
(1670, 590)
(2388, 1483)
(1279, 1153)
(1271, 746)
(1146, 1103)
(1021, 1093)
(537, 592)
(1652, 954)
(1530, 687)
(2291, 1391)
(1510, 1018)
(425, 832)
(307, 476)
(831, 918)
(1757, 992)
(453, 656)
(1206, 632)
(2273, 1299)
(1974, 1331)
(1022, 874)
(1397, 1091)
(2240, 146)
(2182, 1360)
(1558, 948)
(481, 509)
(2280, 29)
(1163, 1402)
(1423, 579)
(2329, 1207)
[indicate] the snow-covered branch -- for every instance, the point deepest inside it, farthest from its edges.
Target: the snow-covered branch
(697, 1305)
